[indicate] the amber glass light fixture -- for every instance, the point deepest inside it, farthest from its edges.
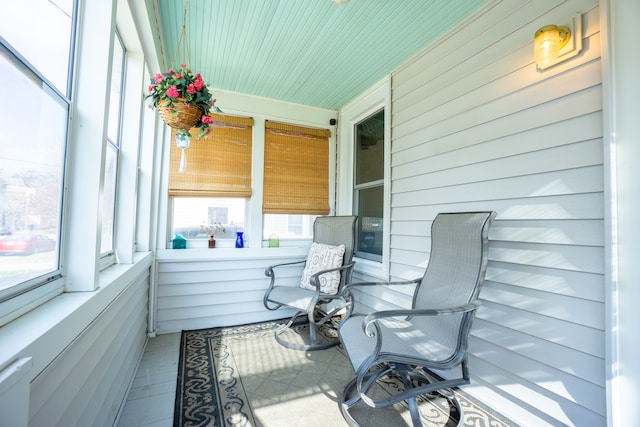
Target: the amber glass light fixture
(548, 42)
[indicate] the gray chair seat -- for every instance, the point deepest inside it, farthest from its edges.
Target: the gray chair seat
(403, 340)
(294, 297)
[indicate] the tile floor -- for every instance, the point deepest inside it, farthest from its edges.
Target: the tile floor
(152, 396)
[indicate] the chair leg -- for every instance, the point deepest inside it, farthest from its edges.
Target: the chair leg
(453, 399)
(411, 401)
(347, 403)
(350, 395)
(313, 342)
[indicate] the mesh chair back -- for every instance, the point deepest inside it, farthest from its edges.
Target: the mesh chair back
(337, 230)
(457, 262)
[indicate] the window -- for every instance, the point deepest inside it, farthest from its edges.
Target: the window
(216, 183)
(296, 179)
(369, 186)
(49, 54)
(33, 141)
(112, 148)
(192, 214)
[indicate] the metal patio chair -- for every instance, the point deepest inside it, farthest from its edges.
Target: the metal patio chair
(317, 287)
(413, 344)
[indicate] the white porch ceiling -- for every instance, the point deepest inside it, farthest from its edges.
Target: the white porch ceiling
(310, 52)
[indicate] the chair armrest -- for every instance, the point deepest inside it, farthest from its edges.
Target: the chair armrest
(314, 279)
(400, 282)
(378, 315)
(270, 273)
(348, 295)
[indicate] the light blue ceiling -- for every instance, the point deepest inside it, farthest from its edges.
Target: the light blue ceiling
(310, 52)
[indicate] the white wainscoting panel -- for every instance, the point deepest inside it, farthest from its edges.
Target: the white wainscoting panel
(86, 384)
(206, 288)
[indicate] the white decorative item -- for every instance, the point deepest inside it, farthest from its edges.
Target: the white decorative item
(183, 142)
(323, 257)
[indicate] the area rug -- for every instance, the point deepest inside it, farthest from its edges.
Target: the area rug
(240, 376)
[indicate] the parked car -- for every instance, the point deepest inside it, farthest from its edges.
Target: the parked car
(26, 244)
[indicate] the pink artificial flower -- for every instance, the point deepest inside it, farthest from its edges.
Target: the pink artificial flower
(183, 65)
(151, 88)
(173, 92)
(206, 120)
(198, 76)
(176, 76)
(192, 89)
(158, 78)
(187, 105)
(199, 84)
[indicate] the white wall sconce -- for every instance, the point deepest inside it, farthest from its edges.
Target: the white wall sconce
(556, 43)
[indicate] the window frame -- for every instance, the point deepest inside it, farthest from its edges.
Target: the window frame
(107, 257)
(29, 294)
(378, 97)
(358, 189)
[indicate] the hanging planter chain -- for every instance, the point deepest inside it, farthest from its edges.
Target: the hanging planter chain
(180, 96)
(183, 40)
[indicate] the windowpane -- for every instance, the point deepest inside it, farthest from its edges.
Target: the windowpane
(109, 201)
(41, 31)
(288, 226)
(369, 186)
(370, 149)
(115, 92)
(113, 149)
(370, 208)
(191, 214)
(31, 175)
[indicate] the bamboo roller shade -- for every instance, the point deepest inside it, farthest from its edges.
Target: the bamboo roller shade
(296, 170)
(218, 165)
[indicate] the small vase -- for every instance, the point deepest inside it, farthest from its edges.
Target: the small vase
(239, 239)
(212, 242)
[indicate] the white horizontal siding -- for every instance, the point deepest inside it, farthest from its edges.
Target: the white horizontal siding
(475, 126)
(86, 384)
(220, 291)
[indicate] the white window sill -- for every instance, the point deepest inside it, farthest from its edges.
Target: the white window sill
(219, 254)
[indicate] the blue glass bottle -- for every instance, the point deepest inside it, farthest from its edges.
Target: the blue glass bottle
(239, 240)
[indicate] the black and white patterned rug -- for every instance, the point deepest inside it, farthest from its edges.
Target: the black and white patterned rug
(240, 376)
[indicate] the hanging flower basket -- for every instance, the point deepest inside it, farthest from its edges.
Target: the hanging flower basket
(179, 114)
(183, 100)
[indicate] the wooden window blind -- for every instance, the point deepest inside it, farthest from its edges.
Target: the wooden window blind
(296, 170)
(217, 166)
